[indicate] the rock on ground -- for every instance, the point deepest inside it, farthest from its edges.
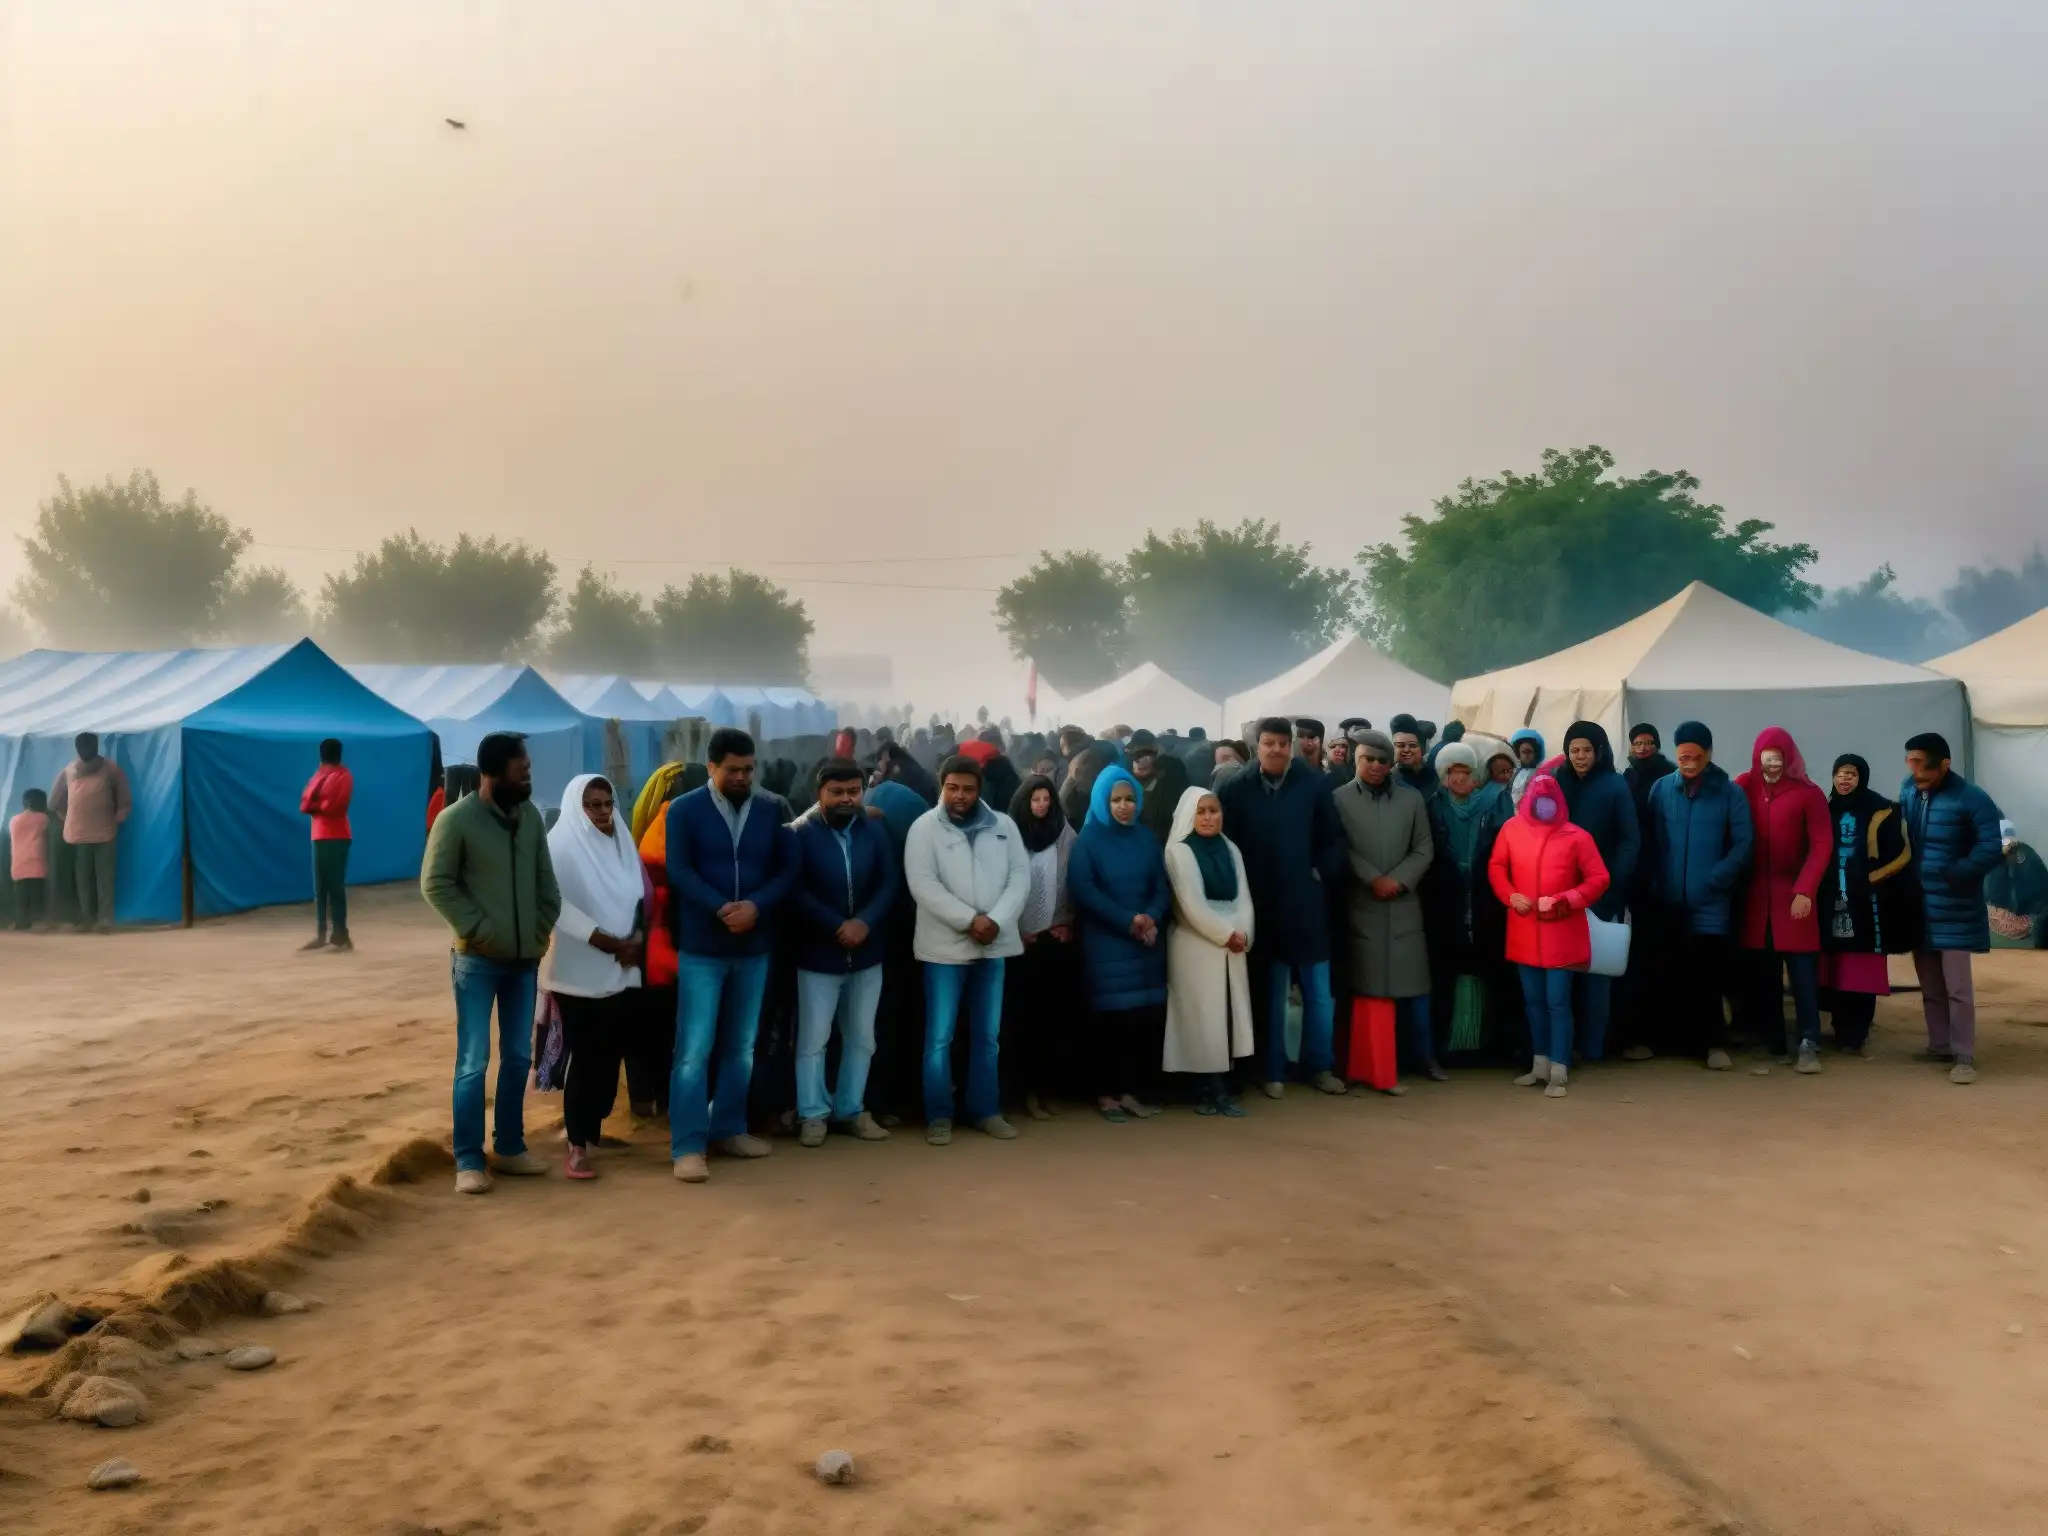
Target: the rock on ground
(192, 1347)
(114, 1474)
(250, 1357)
(107, 1401)
(282, 1304)
(835, 1467)
(45, 1323)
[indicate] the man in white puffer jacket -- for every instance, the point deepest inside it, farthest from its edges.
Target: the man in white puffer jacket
(965, 866)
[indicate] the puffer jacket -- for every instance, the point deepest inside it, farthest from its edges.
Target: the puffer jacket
(1954, 833)
(1699, 846)
(1535, 858)
(952, 876)
(1789, 820)
(1113, 874)
(1601, 806)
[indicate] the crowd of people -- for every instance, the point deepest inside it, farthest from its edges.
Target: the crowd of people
(935, 930)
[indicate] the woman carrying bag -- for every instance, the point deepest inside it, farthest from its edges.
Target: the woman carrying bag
(1208, 982)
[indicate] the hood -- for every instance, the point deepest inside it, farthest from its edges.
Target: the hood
(1184, 810)
(1543, 787)
(1778, 738)
(1525, 734)
(1603, 751)
(981, 752)
(1098, 798)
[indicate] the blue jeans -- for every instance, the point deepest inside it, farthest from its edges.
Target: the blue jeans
(1547, 997)
(1593, 995)
(1412, 1015)
(981, 983)
(823, 998)
(1318, 1020)
(718, 1003)
(1804, 970)
(482, 983)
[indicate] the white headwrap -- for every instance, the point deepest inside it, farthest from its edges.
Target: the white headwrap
(599, 876)
(1190, 801)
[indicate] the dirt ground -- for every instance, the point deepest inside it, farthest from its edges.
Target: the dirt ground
(1673, 1302)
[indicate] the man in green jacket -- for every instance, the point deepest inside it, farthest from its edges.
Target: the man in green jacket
(488, 874)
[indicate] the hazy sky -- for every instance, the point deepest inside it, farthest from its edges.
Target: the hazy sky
(766, 282)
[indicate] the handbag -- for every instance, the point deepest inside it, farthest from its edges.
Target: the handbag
(1610, 946)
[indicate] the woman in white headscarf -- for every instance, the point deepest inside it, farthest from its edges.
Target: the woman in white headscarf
(1208, 984)
(592, 968)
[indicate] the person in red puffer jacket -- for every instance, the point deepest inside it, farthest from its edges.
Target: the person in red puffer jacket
(326, 800)
(1777, 927)
(1546, 872)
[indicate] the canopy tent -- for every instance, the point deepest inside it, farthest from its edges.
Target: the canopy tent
(1148, 697)
(780, 713)
(464, 704)
(217, 747)
(642, 719)
(702, 700)
(1344, 679)
(2007, 678)
(1704, 656)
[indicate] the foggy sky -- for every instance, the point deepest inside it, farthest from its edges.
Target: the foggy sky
(765, 281)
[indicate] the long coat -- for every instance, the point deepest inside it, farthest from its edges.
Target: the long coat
(1388, 834)
(1294, 853)
(1113, 874)
(1208, 989)
(1789, 822)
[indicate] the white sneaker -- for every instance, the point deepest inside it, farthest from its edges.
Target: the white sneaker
(1537, 1073)
(472, 1181)
(691, 1168)
(521, 1165)
(1719, 1060)
(1964, 1072)
(1276, 1090)
(1559, 1076)
(1809, 1059)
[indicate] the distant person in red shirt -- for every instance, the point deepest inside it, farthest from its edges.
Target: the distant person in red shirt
(326, 800)
(29, 859)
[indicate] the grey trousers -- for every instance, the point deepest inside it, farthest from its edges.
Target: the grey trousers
(93, 869)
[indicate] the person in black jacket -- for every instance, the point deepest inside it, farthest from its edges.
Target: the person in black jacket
(1281, 817)
(1599, 801)
(1464, 922)
(1632, 1025)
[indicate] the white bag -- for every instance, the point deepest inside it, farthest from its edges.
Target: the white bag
(1610, 946)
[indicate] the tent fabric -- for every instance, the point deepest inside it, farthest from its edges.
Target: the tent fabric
(217, 746)
(1149, 697)
(644, 718)
(703, 701)
(464, 704)
(1704, 656)
(2007, 678)
(1343, 679)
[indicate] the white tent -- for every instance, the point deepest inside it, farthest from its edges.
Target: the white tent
(2007, 675)
(1344, 679)
(1148, 697)
(1704, 656)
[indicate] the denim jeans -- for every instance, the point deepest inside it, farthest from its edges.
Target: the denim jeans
(1412, 1016)
(1593, 997)
(1547, 998)
(848, 999)
(1318, 1020)
(718, 1005)
(481, 983)
(1804, 970)
(980, 982)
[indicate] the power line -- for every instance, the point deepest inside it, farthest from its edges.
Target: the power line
(1014, 554)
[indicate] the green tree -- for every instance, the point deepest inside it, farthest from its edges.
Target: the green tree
(262, 606)
(1985, 599)
(604, 628)
(1520, 565)
(1070, 614)
(735, 628)
(15, 636)
(1224, 608)
(117, 566)
(1875, 617)
(474, 600)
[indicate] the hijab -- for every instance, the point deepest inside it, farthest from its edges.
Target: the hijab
(1039, 832)
(1864, 803)
(659, 789)
(1212, 854)
(1777, 738)
(1098, 802)
(599, 876)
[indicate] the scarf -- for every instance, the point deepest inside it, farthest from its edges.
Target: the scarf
(1039, 832)
(659, 789)
(1464, 818)
(1212, 854)
(599, 876)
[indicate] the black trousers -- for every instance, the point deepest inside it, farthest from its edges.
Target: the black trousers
(1129, 1045)
(30, 902)
(1853, 1014)
(896, 1079)
(596, 1032)
(1042, 996)
(1702, 973)
(651, 1048)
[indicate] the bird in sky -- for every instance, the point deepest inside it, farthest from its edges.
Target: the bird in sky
(454, 122)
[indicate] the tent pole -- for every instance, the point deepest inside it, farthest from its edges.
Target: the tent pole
(185, 867)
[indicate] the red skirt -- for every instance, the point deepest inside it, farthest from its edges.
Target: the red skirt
(1855, 973)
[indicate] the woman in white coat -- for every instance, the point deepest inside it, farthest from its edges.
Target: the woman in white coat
(1208, 983)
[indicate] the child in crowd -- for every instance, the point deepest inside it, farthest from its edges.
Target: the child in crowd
(29, 834)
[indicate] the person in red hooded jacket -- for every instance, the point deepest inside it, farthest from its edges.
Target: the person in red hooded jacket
(1777, 929)
(1547, 872)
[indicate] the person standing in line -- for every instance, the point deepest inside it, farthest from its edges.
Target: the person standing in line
(490, 876)
(1779, 934)
(1528, 749)
(1462, 919)
(1868, 906)
(1410, 767)
(1953, 826)
(28, 857)
(1308, 743)
(1284, 824)
(1600, 805)
(1117, 882)
(1386, 830)
(1650, 943)
(593, 967)
(91, 800)
(730, 868)
(1039, 985)
(1547, 872)
(1700, 843)
(846, 888)
(1232, 758)
(896, 1077)
(1208, 978)
(326, 801)
(968, 872)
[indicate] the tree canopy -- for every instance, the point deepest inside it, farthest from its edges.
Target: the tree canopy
(409, 600)
(1986, 599)
(1875, 617)
(1070, 614)
(1519, 565)
(15, 636)
(735, 628)
(604, 628)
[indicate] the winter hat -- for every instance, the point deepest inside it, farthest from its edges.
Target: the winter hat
(1455, 731)
(1454, 753)
(1374, 741)
(1637, 732)
(1306, 726)
(1691, 733)
(1404, 723)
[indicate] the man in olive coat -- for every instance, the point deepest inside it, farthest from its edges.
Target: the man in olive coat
(1386, 827)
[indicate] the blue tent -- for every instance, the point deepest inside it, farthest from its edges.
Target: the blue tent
(704, 701)
(217, 746)
(464, 704)
(643, 719)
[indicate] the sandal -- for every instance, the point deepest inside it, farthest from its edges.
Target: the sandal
(1227, 1106)
(578, 1165)
(1138, 1111)
(1116, 1115)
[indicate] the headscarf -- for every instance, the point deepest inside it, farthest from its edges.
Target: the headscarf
(1212, 854)
(980, 752)
(1776, 737)
(1098, 800)
(1039, 832)
(1541, 789)
(1864, 801)
(599, 876)
(659, 789)
(1568, 778)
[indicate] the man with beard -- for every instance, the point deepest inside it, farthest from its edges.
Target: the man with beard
(488, 874)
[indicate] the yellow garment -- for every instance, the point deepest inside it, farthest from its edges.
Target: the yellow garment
(659, 789)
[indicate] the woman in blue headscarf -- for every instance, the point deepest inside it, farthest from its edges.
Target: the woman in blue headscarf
(1116, 879)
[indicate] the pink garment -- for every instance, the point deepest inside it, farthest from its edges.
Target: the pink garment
(1793, 843)
(30, 834)
(93, 801)
(1868, 974)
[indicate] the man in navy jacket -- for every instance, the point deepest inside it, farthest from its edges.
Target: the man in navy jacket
(1599, 801)
(730, 867)
(846, 884)
(1952, 827)
(1700, 840)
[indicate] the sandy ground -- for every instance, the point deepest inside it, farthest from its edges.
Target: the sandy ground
(1674, 1302)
